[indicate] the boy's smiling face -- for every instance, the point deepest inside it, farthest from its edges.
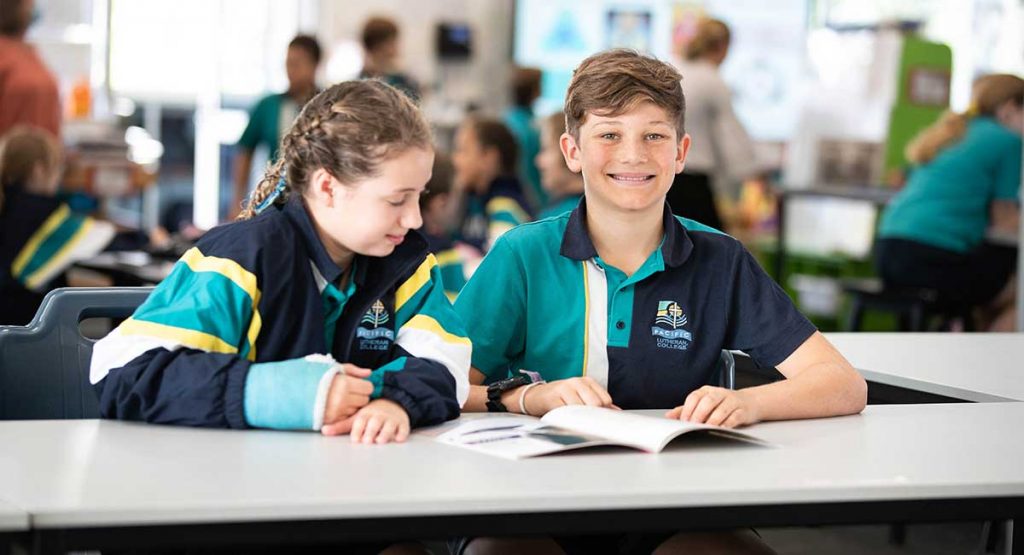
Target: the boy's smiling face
(628, 160)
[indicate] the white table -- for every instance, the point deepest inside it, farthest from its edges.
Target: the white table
(99, 484)
(12, 519)
(978, 367)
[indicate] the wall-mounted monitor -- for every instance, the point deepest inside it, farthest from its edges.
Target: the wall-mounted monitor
(454, 41)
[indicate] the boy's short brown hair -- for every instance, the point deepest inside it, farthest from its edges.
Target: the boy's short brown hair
(611, 82)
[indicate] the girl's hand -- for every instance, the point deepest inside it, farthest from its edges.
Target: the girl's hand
(381, 421)
(349, 392)
(572, 391)
(718, 407)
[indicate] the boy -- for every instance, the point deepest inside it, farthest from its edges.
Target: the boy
(619, 303)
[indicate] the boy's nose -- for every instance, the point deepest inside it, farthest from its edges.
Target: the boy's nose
(633, 152)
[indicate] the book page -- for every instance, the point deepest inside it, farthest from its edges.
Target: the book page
(516, 437)
(650, 433)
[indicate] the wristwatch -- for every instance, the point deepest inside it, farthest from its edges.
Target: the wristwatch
(495, 389)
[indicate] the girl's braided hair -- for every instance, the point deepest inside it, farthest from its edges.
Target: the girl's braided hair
(348, 130)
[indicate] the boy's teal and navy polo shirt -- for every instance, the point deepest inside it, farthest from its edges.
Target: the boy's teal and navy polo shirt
(946, 202)
(542, 299)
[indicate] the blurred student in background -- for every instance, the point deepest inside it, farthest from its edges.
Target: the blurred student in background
(40, 237)
(273, 115)
(521, 122)
(722, 154)
(487, 196)
(381, 54)
(563, 186)
(436, 229)
(965, 183)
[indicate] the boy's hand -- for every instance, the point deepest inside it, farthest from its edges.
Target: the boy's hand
(717, 406)
(572, 391)
(349, 392)
(381, 421)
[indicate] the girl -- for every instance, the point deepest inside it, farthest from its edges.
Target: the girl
(324, 260)
(966, 181)
(564, 188)
(488, 198)
(40, 237)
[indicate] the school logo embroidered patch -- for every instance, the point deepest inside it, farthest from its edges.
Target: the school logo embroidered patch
(372, 337)
(667, 329)
(377, 315)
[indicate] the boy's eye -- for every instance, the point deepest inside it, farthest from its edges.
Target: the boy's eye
(655, 136)
(396, 202)
(610, 136)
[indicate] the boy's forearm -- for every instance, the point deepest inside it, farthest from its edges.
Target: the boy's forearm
(477, 401)
(825, 389)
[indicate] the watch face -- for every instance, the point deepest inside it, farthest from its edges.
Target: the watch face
(515, 382)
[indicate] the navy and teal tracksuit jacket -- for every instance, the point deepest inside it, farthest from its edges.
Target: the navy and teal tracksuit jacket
(226, 340)
(449, 262)
(40, 238)
(491, 214)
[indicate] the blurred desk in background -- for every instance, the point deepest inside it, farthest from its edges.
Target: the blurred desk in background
(876, 196)
(129, 268)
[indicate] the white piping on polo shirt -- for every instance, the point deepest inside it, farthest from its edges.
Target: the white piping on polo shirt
(596, 342)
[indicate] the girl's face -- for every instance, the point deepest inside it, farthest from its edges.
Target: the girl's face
(474, 164)
(555, 176)
(371, 216)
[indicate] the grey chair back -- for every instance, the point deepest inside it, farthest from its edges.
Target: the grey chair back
(44, 366)
(727, 370)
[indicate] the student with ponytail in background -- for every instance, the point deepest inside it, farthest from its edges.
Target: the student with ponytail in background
(965, 181)
(321, 309)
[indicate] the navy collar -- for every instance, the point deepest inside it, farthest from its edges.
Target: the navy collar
(576, 243)
(296, 212)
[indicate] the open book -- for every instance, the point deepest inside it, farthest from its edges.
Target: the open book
(573, 427)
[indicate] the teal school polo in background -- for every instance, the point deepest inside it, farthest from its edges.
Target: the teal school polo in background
(269, 120)
(560, 206)
(945, 203)
(521, 123)
(543, 300)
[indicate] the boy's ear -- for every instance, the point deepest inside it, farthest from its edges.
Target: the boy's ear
(681, 149)
(571, 152)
